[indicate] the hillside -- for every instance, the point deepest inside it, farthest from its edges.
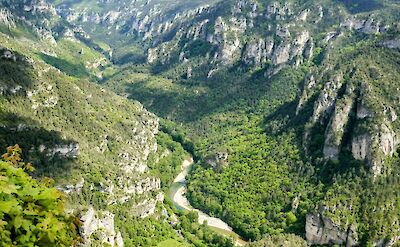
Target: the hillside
(97, 146)
(289, 108)
(116, 24)
(293, 112)
(107, 155)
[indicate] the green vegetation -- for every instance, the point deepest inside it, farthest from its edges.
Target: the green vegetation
(238, 122)
(265, 172)
(32, 212)
(171, 243)
(63, 111)
(282, 240)
(252, 118)
(200, 235)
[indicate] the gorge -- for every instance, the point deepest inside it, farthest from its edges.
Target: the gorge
(199, 123)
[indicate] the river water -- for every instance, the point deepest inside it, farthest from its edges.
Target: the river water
(178, 196)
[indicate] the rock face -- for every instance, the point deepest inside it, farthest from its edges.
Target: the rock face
(281, 54)
(392, 44)
(8, 55)
(360, 146)
(68, 151)
(346, 107)
(146, 19)
(326, 100)
(225, 34)
(258, 52)
(368, 26)
(99, 225)
(147, 207)
(217, 160)
(309, 84)
(336, 127)
(373, 147)
(323, 231)
(6, 18)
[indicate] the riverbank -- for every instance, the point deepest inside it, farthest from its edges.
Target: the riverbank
(178, 196)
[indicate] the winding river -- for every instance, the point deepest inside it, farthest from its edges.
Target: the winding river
(178, 195)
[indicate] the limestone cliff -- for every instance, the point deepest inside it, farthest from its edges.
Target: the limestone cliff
(322, 230)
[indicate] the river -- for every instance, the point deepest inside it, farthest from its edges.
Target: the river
(178, 196)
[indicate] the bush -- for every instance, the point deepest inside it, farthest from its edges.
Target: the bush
(31, 211)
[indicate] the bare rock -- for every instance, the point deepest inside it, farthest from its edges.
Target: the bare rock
(336, 127)
(68, 151)
(8, 55)
(6, 18)
(281, 54)
(360, 146)
(147, 207)
(308, 87)
(392, 44)
(100, 224)
(321, 230)
(258, 51)
(327, 97)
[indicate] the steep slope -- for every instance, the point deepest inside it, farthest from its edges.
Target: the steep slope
(59, 44)
(105, 153)
(289, 108)
(97, 146)
(128, 25)
(293, 111)
(72, 131)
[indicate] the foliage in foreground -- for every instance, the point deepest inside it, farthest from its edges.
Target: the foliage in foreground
(31, 211)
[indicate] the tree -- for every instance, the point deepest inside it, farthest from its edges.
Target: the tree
(31, 211)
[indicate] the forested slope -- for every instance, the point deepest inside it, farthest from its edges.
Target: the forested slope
(292, 108)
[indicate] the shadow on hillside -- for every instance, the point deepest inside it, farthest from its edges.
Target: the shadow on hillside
(76, 70)
(228, 91)
(359, 6)
(285, 118)
(37, 144)
(15, 73)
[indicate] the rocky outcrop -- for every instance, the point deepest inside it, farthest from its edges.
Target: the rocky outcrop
(98, 229)
(373, 147)
(368, 26)
(299, 44)
(321, 230)
(336, 127)
(6, 18)
(257, 52)
(8, 55)
(327, 98)
(361, 146)
(226, 35)
(143, 186)
(281, 54)
(371, 137)
(217, 160)
(309, 84)
(148, 206)
(66, 151)
(227, 47)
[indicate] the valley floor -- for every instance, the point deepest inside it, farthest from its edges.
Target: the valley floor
(178, 195)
